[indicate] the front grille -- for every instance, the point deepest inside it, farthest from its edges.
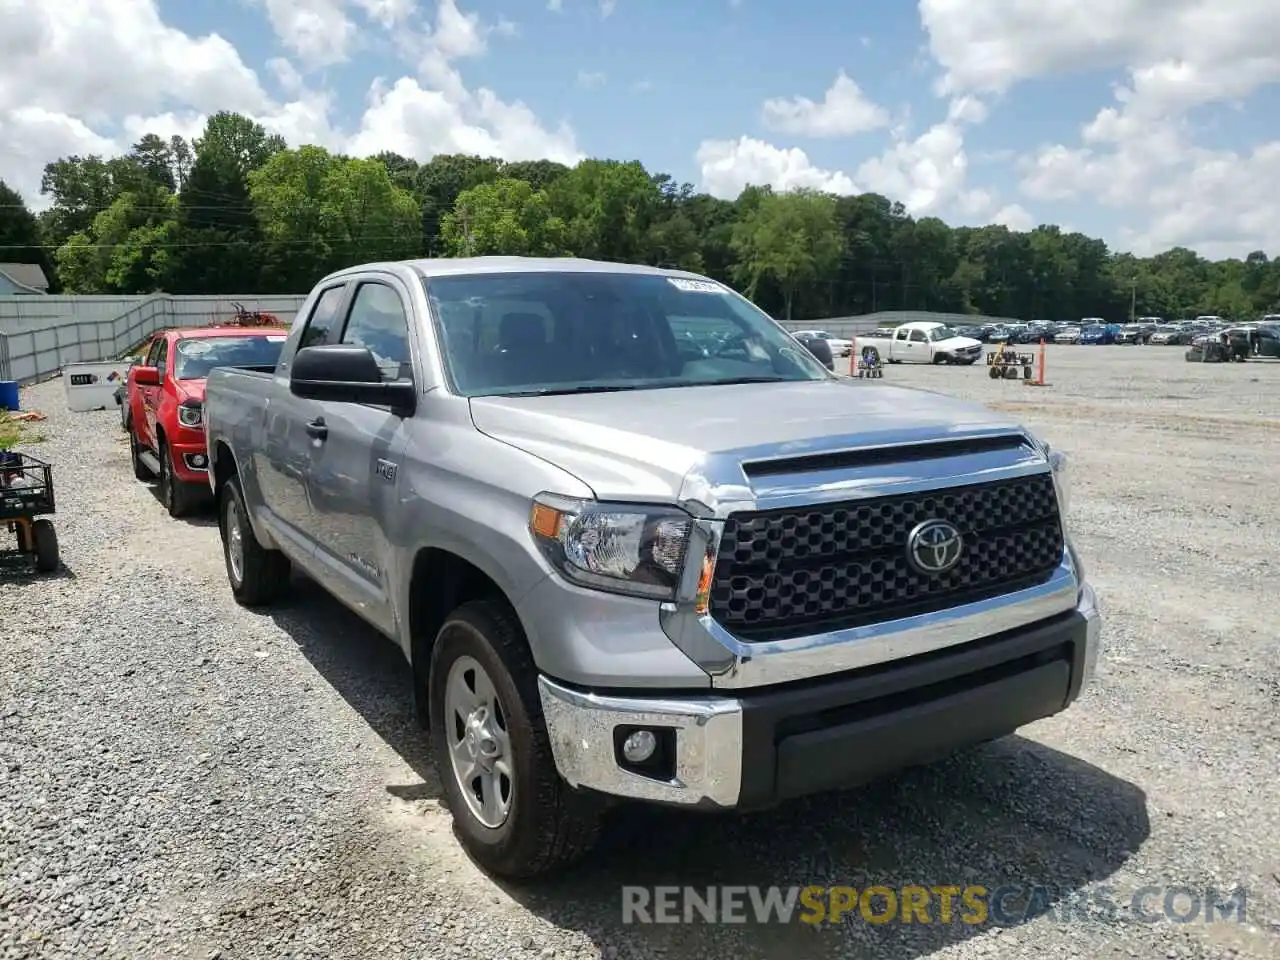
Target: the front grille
(782, 573)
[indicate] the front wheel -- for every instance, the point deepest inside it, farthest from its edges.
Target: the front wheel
(511, 810)
(177, 497)
(140, 470)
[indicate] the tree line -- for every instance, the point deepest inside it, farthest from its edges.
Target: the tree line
(235, 210)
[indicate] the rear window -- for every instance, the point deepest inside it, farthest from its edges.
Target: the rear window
(198, 355)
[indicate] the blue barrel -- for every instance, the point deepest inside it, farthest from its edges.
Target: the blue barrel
(8, 394)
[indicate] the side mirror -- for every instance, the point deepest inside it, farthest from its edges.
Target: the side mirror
(146, 376)
(345, 373)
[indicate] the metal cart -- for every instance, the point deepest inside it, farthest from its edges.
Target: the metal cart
(869, 365)
(26, 501)
(1009, 364)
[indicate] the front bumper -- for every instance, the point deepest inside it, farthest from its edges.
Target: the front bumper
(772, 744)
(190, 458)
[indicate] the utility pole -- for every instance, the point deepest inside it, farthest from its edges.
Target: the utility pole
(1133, 300)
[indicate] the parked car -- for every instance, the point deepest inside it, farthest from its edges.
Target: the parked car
(164, 404)
(1068, 335)
(608, 581)
(1266, 339)
(839, 347)
(820, 347)
(1099, 333)
(1169, 335)
(922, 342)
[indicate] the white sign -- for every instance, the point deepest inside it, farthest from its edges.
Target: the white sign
(695, 286)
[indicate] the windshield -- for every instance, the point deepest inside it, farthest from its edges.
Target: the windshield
(563, 332)
(198, 355)
(1167, 330)
(1095, 328)
(941, 333)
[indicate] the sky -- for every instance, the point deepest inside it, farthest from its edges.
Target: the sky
(1149, 123)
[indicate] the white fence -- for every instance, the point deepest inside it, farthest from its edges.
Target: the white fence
(38, 335)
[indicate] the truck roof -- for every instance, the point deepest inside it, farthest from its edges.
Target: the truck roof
(921, 325)
(456, 266)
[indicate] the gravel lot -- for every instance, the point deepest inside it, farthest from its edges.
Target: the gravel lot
(194, 780)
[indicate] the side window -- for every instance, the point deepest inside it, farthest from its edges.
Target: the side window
(378, 322)
(322, 325)
(902, 334)
(162, 358)
(917, 336)
(153, 353)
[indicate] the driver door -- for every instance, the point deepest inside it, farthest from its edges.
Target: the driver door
(151, 396)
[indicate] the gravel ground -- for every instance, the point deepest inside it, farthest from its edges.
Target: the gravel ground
(195, 780)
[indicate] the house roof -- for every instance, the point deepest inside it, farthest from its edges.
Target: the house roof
(26, 275)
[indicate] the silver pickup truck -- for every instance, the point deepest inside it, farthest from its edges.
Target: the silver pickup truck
(635, 542)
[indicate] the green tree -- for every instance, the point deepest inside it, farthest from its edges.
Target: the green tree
(219, 237)
(792, 238)
(20, 240)
(506, 217)
(318, 212)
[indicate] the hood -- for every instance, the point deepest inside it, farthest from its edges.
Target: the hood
(640, 445)
(190, 390)
(960, 343)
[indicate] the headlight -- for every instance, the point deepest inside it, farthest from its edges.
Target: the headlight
(1061, 475)
(626, 548)
(190, 414)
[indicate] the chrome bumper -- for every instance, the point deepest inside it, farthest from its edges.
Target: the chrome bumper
(709, 734)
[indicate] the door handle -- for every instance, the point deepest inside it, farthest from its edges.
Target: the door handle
(316, 428)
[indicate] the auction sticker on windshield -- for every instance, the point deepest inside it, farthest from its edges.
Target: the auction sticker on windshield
(194, 348)
(276, 339)
(695, 286)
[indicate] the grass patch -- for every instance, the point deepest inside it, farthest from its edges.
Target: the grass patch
(15, 432)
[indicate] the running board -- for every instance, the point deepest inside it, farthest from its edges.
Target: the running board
(150, 461)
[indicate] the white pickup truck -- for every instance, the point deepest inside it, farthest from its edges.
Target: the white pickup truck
(922, 342)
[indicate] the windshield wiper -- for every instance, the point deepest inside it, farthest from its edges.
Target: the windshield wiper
(736, 380)
(565, 391)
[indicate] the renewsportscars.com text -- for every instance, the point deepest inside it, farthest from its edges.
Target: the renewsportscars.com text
(971, 904)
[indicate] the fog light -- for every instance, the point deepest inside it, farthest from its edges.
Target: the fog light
(198, 461)
(639, 746)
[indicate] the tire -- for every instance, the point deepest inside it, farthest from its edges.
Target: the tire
(45, 542)
(994, 372)
(547, 825)
(140, 470)
(257, 576)
(940, 358)
(176, 496)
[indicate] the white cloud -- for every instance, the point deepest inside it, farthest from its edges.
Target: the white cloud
(1139, 154)
(419, 122)
(926, 173)
(92, 76)
(994, 45)
(590, 79)
(555, 6)
(1015, 217)
(728, 166)
(31, 136)
(844, 111)
(388, 13)
(318, 32)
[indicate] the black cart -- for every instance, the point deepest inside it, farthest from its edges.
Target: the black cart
(26, 502)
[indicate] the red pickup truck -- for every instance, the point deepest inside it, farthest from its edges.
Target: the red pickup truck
(165, 400)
